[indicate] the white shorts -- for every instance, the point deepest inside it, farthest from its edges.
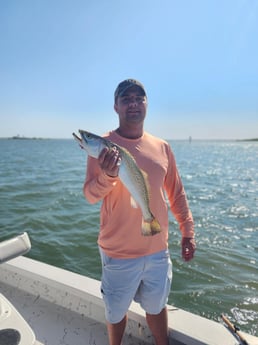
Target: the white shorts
(147, 280)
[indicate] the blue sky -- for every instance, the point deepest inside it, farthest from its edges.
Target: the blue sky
(61, 60)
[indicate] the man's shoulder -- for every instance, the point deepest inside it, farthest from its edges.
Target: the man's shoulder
(153, 138)
(108, 134)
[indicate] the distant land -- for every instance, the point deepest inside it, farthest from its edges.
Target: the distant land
(18, 137)
(254, 139)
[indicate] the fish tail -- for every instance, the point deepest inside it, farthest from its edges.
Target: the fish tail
(150, 227)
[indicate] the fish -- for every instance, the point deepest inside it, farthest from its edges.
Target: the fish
(132, 177)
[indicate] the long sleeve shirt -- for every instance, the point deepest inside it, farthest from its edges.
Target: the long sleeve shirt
(120, 223)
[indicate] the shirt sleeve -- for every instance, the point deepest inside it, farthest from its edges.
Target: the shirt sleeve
(97, 184)
(177, 197)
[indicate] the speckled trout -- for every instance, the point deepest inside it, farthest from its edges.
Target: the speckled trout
(133, 178)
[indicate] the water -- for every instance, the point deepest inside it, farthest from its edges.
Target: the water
(41, 192)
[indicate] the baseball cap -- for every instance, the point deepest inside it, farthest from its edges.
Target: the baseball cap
(127, 84)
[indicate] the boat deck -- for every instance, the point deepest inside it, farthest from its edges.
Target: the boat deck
(64, 308)
(57, 315)
(53, 324)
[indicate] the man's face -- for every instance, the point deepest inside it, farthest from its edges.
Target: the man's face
(132, 106)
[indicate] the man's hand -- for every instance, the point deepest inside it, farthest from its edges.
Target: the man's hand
(188, 248)
(109, 161)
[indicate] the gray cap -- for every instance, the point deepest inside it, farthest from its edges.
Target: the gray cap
(127, 84)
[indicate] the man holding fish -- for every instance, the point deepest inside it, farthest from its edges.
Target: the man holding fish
(131, 171)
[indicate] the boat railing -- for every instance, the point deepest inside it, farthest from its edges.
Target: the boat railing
(14, 247)
(13, 327)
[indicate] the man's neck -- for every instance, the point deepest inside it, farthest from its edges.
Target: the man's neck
(130, 133)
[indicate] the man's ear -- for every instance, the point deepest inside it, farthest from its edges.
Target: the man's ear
(115, 107)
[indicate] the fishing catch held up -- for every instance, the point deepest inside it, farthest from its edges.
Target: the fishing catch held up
(133, 178)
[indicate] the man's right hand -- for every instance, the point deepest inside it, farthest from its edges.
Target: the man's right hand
(109, 161)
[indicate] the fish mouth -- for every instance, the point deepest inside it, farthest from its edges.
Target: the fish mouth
(82, 139)
(84, 136)
(77, 138)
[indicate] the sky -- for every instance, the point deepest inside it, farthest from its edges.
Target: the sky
(60, 62)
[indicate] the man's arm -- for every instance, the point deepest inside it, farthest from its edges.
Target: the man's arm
(180, 208)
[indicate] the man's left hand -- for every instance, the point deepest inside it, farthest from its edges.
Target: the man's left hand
(188, 248)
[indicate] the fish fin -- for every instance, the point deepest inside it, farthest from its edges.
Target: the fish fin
(150, 227)
(133, 203)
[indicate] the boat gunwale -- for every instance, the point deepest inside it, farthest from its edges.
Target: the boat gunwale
(82, 295)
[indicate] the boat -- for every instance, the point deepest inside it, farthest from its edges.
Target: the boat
(41, 304)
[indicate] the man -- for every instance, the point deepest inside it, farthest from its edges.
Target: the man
(136, 267)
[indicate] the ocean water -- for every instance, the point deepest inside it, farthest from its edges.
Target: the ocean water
(41, 193)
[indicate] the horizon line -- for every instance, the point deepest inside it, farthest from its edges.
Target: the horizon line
(190, 139)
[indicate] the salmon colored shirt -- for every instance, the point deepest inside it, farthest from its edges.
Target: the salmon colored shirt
(120, 223)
